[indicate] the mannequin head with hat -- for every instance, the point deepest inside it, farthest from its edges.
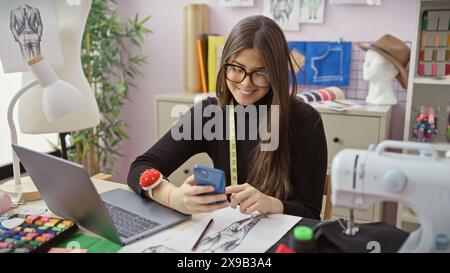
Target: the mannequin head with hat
(385, 60)
(380, 73)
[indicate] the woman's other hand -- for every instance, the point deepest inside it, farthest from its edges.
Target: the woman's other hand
(250, 200)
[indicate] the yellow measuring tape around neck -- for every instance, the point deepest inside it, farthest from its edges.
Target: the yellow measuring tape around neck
(233, 159)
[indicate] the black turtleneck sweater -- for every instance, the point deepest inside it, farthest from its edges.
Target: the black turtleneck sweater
(308, 155)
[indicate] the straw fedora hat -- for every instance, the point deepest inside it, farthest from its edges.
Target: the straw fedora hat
(396, 51)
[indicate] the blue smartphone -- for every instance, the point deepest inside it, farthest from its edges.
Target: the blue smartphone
(206, 176)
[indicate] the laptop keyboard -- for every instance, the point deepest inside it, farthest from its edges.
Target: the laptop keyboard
(127, 223)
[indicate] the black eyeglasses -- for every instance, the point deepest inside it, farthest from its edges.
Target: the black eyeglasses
(235, 73)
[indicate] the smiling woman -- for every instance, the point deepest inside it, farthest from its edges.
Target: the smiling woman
(254, 74)
(247, 90)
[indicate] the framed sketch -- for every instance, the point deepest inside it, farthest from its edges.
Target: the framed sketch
(28, 28)
(357, 2)
(285, 12)
(312, 11)
(236, 3)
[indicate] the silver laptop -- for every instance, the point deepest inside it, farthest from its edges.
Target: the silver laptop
(118, 215)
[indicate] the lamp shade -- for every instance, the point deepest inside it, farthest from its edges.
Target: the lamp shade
(58, 98)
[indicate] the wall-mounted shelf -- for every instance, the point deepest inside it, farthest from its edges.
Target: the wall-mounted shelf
(425, 80)
(441, 147)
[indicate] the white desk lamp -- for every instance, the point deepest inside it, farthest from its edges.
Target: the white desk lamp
(58, 99)
(72, 17)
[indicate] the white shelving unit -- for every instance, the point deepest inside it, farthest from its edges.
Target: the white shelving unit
(424, 91)
(424, 80)
(441, 147)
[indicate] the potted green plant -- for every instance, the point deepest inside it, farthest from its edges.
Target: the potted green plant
(111, 64)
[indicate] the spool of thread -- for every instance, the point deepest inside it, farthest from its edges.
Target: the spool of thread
(424, 39)
(338, 92)
(425, 21)
(302, 240)
(308, 97)
(302, 97)
(434, 55)
(421, 69)
(437, 39)
(317, 96)
(422, 55)
(324, 94)
(331, 94)
(434, 70)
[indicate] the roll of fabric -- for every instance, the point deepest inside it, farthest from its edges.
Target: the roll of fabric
(327, 93)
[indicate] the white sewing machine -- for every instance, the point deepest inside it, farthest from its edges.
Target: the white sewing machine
(422, 182)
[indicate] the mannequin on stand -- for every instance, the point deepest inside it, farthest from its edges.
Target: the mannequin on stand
(385, 60)
(71, 23)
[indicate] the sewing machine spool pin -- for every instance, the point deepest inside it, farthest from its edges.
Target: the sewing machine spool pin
(351, 229)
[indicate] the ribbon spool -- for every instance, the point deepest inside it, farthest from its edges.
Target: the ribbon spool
(328, 93)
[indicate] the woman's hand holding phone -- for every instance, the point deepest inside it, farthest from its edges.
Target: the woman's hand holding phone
(190, 198)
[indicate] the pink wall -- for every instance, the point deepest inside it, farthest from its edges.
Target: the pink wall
(164, 48)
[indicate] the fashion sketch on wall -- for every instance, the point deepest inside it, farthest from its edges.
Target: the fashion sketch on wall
(285, 12)
(236, 3)
(28, 28)
(312, 11)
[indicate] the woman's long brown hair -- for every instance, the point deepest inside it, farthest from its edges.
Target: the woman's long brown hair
(269, 170)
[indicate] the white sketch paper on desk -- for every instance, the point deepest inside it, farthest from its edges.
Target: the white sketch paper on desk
(230, 232)
(156, 241)
(28, 28)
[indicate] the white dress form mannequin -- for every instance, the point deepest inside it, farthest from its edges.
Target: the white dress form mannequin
(71, 22)
(380, 73)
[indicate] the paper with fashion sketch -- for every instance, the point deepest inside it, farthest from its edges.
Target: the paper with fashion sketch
(157, 239)
(231, 232)
(312, 11)
(285, 12)
(28, 28)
